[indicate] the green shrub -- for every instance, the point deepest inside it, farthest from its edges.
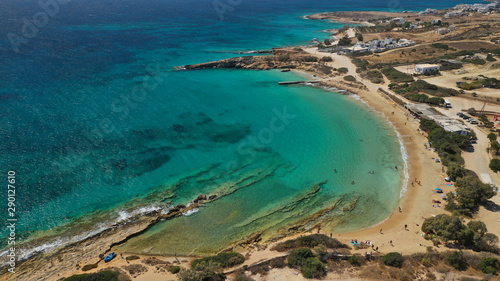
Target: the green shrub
(313, 268)
(88, 267)
(440, 46)
(99, 276)
(174, 269)
(202, 271)
(475, 61)
(426, 261)
(489, 265)
(396, 76)
(342, 70)
(298, 257)
(450, 66)
(354, 260)
(222, 259)
(284, 58)
(349, 78)
(131, 258)
(326, 58)
(309, 59)
(457, 260)
(309, 241)
(360, 63)
(393, 259)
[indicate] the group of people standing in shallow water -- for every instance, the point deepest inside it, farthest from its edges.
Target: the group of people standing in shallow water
(369, 172)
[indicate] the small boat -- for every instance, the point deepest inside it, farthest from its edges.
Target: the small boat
(109, 257)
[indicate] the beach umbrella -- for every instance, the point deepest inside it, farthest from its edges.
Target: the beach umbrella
(438, 189)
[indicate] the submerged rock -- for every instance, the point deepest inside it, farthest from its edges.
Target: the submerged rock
(201, 197)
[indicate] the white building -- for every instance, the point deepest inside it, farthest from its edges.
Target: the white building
(380, 45)
(436, 22)
(427, 11)
(442, 30)
(399, 20)
(426, 68)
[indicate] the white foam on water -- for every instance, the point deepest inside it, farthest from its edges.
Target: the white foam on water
(59, 242)
(192, 211)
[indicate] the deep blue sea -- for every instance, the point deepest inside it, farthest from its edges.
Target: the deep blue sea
(99, 126)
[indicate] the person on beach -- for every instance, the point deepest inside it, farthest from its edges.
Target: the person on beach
(381, 231)
(396, 167)
(406, 227)
(400, 209)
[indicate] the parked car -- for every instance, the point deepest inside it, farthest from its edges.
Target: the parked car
(109, 257)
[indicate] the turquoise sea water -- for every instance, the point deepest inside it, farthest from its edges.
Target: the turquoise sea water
(98, 126)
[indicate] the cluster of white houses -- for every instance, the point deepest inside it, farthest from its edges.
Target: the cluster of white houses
(379, 45)
(480, 8)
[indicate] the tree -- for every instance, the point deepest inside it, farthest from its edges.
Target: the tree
(456, 171)
(472, 111)
(495, 146)
(471, 193)
(495, 165)
(447, 227)
(359, 36)
(406, 25)
(327, 42)
(492, 136)
(345, 41)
